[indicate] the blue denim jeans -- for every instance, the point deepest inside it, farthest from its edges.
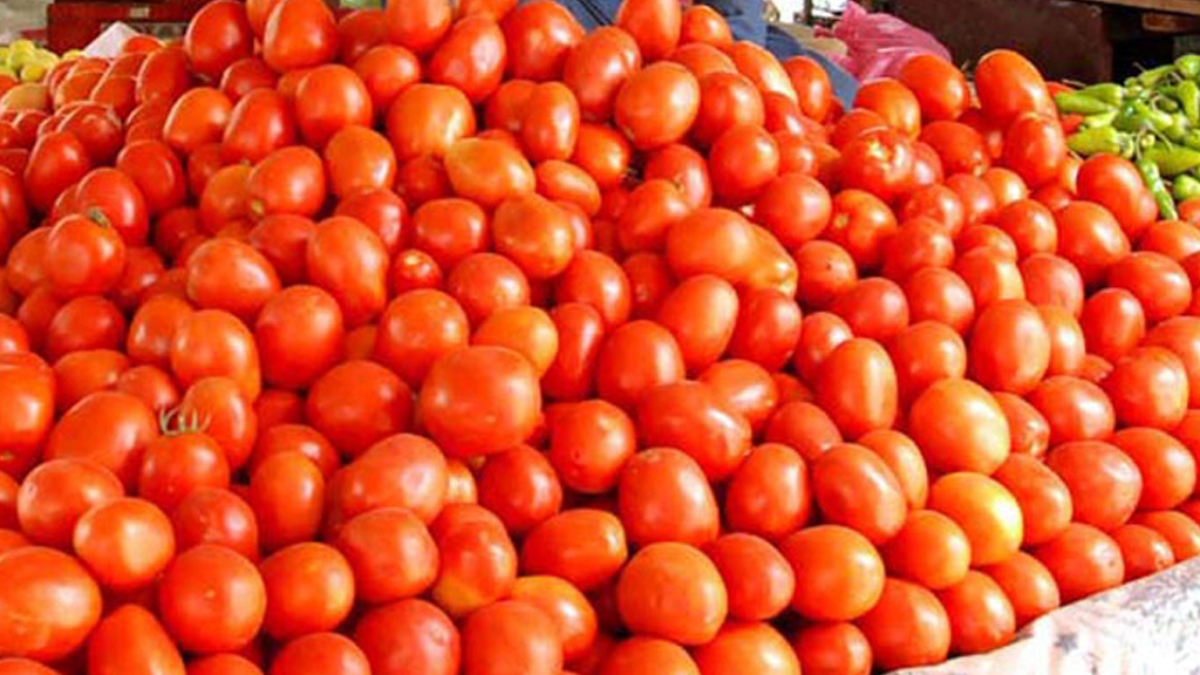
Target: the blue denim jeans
(747, 23)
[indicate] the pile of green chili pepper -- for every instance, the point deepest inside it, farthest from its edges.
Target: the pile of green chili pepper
(1152, 119)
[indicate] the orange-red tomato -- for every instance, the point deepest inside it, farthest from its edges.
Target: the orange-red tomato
(907, 627)
(985, 510)
(1083, 561)
(665, 582)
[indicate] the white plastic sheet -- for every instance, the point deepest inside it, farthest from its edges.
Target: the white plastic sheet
(1148, 627)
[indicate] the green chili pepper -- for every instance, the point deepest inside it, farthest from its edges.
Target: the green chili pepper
(1128, 118)
(1178, 129)
(1095, 141)
(1158, 189)
(1166, 104)
(1104, 119)
(1157, 120)
(1154, 181)
(1192, 139)
(1172, 161)
(1079, 103)
(1109, 92)
(1188, 65)
(1185, 187)
(1189, 98)
(1153, 76)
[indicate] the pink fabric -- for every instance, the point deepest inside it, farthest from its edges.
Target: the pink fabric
(879, 44)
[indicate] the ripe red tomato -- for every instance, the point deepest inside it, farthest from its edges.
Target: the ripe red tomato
(539, 36)
(652, 602)
(409, 636)
(419, 26)
(53, 604)
(505, 404)
(657, 105)
(329, 98)
(1035, 148)
(218, 35)
(132, 637)
(1008, 85)
(298, 34)
(212, 600)
(1083, 561)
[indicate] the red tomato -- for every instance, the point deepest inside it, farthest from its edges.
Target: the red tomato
(218, 35)
(212, 600)
(349, 261)
(428, 119)
(505, 404)
(298, 34)
(246, 75)
(1008, 85)
(58, 160)
(513, 633)
(326, 598)
(1035, 148)
(197, 118)
(472, 57)
(639, 106)
(652, 602)
(157, 172)
(539, 36)
(54, 604)
(126, 543)
(130, 638)
(260, 123)
(329, 98)
(586, 547)
(323, 650)
(1083, 561)
(409, 636)
(419, 26)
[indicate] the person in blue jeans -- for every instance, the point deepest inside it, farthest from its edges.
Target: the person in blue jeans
(746, 21)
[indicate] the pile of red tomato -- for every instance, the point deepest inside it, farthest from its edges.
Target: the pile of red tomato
(431, 341)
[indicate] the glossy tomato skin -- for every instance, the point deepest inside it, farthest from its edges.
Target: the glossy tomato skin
(131, 638)
(55, 593)
(57, 161)
(198, 579)
(539, 36)
(1008, 85)
(217, 36)
(409, 636)
(511, 391)
(299, 34)
(472, 57)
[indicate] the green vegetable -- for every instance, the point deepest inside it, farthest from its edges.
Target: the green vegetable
(1188, 65)
(1109, 92)
(1153, 76)
(1104, 119)
(1166, 104)
(1079, 103)
(1158, 120)
(1172, 161)
(1178, 129)
(1185, 187)
(1154, 181)
(1192, 139)
(1189, 97)
(1094, 141)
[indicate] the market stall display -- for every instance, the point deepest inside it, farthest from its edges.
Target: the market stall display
(454, 338)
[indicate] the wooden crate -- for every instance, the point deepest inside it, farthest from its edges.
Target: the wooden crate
(72, 25)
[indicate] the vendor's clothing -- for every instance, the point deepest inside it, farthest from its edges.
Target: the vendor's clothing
(746, 21)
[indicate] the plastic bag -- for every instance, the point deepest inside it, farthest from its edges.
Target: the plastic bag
(880, 44)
